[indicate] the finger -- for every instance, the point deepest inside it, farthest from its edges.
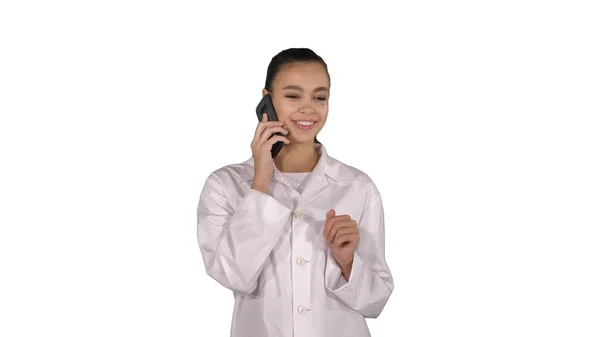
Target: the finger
(343, 231)
(329, 221)
(259, 128)
(332, 220)
(339, 226)
(262, 125)
(265, 120)
(338, 217)
(343, 239)
(269, 131)
(336, 227)
(328, 215)
(346, 238)
(269, 144)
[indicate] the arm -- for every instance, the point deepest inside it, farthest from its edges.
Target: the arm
(235, 243)
(370, 283)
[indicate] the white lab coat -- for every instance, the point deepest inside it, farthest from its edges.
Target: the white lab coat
(270, 251)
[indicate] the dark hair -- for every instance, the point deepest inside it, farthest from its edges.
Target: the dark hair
(289, 56)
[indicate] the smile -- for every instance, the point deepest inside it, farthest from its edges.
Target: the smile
(304, 125)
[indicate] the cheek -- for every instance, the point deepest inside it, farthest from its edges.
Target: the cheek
(286, 108)
(282, 111)
(323, 110)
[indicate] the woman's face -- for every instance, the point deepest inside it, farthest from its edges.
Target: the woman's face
(301, 99)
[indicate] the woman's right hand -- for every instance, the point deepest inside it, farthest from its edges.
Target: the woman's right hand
(261, 151)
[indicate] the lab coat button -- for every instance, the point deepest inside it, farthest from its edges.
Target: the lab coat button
(301, 261)
(299, 215)
(303, 310)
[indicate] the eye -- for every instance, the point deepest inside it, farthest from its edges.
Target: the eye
(292, 96)
(322, 98)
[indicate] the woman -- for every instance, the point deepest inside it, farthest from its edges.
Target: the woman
(299, 239)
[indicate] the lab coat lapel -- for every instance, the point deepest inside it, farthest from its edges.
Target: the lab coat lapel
(318, 180)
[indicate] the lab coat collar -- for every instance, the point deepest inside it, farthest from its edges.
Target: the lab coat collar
(326, 165)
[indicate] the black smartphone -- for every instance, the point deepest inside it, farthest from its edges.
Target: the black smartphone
(266, 106)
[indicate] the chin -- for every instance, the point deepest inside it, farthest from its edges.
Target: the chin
(302, 140)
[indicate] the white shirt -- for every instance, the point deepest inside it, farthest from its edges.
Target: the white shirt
(270, 251)
(297, 179)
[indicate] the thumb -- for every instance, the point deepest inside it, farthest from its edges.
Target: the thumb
(330, 214)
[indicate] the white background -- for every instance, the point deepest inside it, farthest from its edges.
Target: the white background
(477, 120)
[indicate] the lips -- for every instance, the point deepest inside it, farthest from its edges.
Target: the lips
(304, 124)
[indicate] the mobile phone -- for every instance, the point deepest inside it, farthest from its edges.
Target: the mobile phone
(266, 106)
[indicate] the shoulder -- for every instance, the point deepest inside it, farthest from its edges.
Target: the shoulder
(359, 177)
(232, 173)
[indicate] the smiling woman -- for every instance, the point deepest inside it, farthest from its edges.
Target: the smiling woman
(299, 239)
(302, 65)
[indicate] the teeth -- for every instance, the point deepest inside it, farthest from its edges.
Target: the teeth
(305, 123)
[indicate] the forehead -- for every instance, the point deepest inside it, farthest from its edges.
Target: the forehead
(307, 75)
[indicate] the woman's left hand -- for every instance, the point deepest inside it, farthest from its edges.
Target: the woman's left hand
(342, 236)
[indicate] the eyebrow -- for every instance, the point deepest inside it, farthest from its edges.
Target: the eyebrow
(295, 87)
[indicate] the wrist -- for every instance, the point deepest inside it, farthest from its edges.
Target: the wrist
(260, 186)
(346, 271)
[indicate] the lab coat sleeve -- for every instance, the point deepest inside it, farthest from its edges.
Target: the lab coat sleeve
(235, 243)
(370, 284)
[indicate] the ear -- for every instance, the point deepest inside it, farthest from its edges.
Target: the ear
(264, 92)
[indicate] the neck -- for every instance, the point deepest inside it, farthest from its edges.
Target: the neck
(297, 158)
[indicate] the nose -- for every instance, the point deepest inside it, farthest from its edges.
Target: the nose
(307, 109)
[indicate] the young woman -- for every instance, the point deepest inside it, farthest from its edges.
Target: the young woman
(298, 239)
